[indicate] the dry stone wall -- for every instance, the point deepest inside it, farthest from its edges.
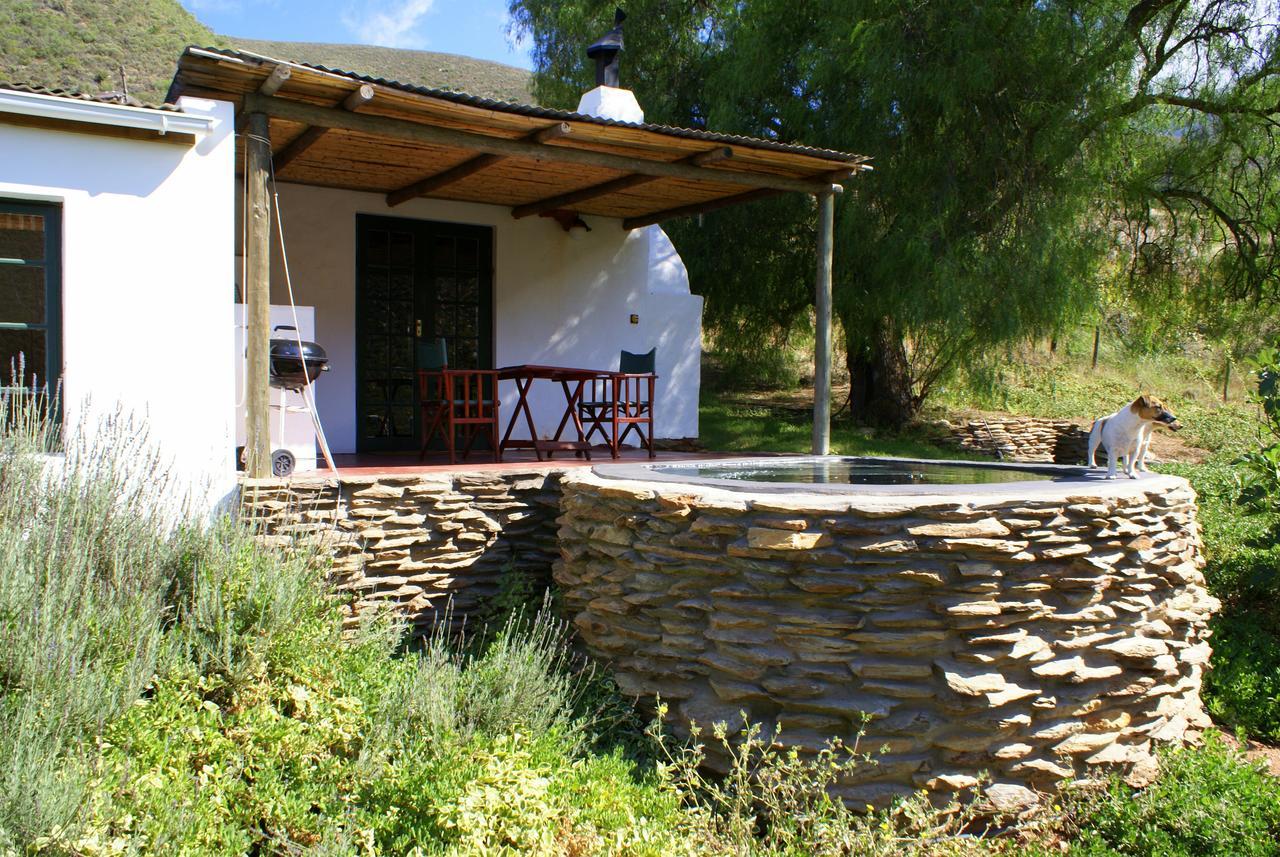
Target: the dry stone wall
(1033, 639)
(1018, 438)
(414, 543)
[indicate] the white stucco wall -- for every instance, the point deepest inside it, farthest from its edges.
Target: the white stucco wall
(146, 283)
(557, 300)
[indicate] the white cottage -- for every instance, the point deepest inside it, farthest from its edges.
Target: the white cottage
(380, 216)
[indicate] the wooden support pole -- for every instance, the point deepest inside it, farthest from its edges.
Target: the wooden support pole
(1097, 336)
(574, 197)
(470, 167)
(404, 129)
(257, 289)
(822, 338)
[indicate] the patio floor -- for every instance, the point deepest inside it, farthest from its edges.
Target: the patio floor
(372, 464)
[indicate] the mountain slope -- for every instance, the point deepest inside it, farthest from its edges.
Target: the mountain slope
(87, 44)
(425, 68)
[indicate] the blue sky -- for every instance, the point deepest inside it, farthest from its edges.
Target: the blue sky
(475, 28)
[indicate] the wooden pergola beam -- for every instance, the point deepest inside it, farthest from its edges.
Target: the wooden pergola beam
(403, 129)
(308, 138)
(470, 167)
(573, 197)
(830, 186)
(279, 76)
(698, 208)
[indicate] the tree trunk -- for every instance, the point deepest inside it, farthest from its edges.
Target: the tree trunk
(879, 378)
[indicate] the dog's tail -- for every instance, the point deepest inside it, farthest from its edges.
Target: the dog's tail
(1095, 439)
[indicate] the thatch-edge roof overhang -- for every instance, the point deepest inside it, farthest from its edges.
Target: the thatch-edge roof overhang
(334, 128)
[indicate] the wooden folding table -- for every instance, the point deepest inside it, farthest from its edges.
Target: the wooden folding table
(572, 381)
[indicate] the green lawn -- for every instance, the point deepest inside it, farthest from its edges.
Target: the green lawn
(733, 423)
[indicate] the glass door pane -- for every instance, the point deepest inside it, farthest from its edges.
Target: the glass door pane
(30, 311)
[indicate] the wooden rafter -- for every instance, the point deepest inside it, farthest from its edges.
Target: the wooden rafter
(697, 208)
(470, 167)
(279, 77)
(308, 138)
(403, 129)
(618, 185)
(830, 186)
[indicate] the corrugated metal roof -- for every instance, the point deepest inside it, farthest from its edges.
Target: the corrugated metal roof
(102, 98)
(546, 112)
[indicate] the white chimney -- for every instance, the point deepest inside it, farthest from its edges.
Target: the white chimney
(608, 100)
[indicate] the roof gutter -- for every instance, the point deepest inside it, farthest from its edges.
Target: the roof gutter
(56, 108)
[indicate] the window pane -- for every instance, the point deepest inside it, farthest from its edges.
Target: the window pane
(468, 288)
(444, 320)
(401, 422)
(26, 347)
(401, 249)
(21, 236)
(468, 252)
(375, 247)
(467, 357)
(443, 255)
(467, 320)
(401, 354)
(446, 288)
(402, 285)
(401, 318)
(21, 294)
(373, 355)
(375, 317)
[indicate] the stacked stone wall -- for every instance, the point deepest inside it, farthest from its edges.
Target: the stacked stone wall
(414, 544)
(1032, 439)
(1035, 640)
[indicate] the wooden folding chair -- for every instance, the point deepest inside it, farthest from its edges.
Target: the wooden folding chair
(455, 397)
(622, 401)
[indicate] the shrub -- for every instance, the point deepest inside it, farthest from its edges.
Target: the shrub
(776, 801)
(1208, 801)
(84, 567)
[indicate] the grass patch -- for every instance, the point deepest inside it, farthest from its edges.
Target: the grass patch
(729, 422)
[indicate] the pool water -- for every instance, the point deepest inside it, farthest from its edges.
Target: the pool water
(860, 471)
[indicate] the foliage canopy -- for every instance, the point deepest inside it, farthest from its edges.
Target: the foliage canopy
(1024, 154)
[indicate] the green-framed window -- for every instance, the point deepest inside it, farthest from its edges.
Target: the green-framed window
(30, 294)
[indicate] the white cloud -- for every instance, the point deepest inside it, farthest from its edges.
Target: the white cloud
(394, 24)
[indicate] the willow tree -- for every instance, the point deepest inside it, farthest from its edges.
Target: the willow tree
(1017, 147)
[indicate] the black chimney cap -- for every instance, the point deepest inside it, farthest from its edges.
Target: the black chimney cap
(605, 52)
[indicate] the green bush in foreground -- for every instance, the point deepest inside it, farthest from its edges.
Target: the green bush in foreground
(1208, 801)
(174, 689)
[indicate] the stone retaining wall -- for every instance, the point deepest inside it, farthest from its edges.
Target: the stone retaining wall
(410, 543)
(1018, 438)
(1034, 639)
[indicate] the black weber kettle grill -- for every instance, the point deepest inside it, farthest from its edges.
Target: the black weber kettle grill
(294, 363)
(291, 365)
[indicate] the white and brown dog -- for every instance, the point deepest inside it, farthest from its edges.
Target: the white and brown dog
(1126, 434)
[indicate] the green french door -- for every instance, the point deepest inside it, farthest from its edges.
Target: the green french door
(415, 280)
